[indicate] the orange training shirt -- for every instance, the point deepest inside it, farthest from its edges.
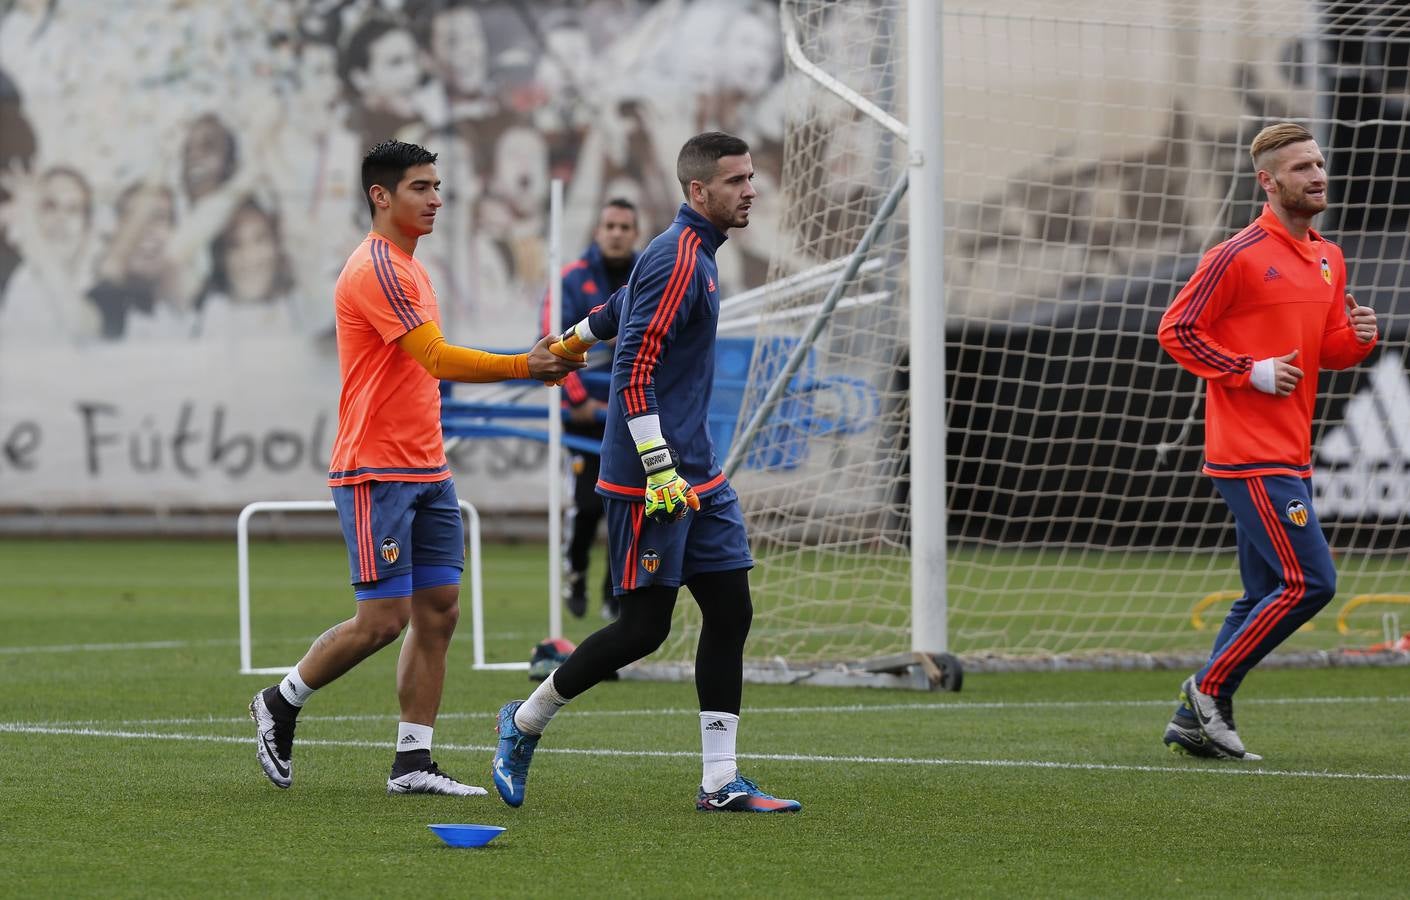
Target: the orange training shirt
(1262, 294)
(389, 411)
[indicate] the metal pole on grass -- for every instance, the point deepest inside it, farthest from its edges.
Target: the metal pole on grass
(925, 81)
(555, 418)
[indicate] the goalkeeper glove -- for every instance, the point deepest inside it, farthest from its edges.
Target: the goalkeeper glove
(570, 346)
(667, 494)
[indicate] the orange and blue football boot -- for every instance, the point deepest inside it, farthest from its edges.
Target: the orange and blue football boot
(743, 795)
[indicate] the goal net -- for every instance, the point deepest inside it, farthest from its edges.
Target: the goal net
(1092, 152)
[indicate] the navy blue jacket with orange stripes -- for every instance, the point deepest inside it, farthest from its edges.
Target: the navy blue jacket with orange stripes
(664, 363)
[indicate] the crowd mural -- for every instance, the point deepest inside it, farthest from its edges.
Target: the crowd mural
(192, 172)
(179, 188)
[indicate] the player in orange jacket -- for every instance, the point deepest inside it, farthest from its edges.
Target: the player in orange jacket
(1265, 311)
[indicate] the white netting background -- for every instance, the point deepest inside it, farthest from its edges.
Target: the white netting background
(1091, 155)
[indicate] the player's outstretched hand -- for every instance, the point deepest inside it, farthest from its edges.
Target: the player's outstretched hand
(1363, 320)
(549, 366)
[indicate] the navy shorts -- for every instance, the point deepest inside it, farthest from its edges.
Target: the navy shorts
(643, 553)
(392, 526)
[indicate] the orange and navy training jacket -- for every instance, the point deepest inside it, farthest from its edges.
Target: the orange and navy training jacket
(1262, 294)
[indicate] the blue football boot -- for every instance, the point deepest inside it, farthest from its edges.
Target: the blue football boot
(512, 756)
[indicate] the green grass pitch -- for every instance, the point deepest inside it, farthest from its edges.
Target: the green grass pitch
(129, 766)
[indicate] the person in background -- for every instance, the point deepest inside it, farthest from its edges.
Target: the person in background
(587, 282)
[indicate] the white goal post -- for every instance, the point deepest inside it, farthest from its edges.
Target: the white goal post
(473, 563)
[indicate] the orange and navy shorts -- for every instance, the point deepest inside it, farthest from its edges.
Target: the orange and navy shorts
(643, 553)
(397, 529)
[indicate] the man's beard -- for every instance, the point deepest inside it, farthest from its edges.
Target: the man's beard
(1301, 203)
(728, 213)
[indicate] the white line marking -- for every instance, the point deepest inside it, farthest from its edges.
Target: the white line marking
(177, 645)
(753, 710)
(86, 648)
(21, 728)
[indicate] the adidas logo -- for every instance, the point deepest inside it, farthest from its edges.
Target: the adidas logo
(716, 725)
(409, 739)
(1271, 274)
(1362, 466)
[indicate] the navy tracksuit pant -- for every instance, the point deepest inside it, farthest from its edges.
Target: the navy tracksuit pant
(1286, 568)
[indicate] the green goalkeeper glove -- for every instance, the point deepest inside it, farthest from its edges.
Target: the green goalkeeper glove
(667, 494)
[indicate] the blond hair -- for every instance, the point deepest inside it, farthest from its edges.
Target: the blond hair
(1276, 137)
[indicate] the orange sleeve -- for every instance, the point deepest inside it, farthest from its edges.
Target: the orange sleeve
(1185, 327)
(443, 360)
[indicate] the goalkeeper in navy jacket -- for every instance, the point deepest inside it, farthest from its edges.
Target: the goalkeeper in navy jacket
(672, 518)
(587, 282)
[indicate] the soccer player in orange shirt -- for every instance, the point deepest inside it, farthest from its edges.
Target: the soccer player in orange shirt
(390, 479)
(1265, 311)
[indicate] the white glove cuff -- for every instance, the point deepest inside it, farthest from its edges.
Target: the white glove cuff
(584, 333)
(1262, 377)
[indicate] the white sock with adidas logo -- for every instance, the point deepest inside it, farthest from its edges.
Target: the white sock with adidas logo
(411, 736)
(717, 731)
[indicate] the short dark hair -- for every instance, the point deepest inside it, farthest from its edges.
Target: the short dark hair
(386, 164)
(701, 155)
(621, 203)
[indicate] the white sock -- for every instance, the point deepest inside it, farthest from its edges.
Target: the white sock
(533, 715)
(294, 689)
(717, 731)
(411, 736)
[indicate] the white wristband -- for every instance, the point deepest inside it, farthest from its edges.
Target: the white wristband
(584, 333)
(645, 429)
(1262, 376)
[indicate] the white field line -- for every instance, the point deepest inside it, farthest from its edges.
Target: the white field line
(751, 711)
(211, 642)
(20, 728)
(86, 648)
